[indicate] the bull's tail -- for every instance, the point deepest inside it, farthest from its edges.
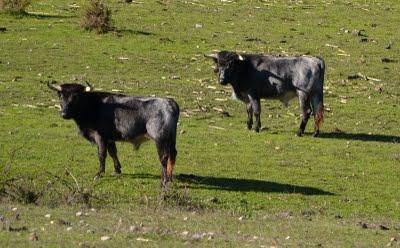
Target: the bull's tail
(317, 100)
(170, 167)
(318, 107)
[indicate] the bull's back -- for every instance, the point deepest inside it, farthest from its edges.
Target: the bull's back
(291, 73)
(138, 116)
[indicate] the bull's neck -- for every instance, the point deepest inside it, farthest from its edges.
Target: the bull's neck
(85, 116)
(236, 88)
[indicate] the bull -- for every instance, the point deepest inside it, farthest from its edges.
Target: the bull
(253, 77)
(104, 118)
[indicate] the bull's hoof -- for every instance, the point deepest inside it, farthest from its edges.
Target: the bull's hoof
(116, 173)
(98, 175)
(299, 133)
(315, 134)
(164, 185)
(249, 125)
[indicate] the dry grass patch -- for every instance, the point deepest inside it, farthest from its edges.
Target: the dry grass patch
(16, 7)
(97, 16)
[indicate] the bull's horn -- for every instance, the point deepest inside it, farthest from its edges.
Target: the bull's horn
(88, 87)
(240, 57)
(212, 56)
(54, 86)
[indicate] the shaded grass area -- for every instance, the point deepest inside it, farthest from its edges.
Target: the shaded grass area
(273, 180)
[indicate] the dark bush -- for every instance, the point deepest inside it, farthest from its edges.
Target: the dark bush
(16, 7)
(97, 17)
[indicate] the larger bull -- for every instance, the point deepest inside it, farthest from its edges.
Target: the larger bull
(104, 118)
(253, 77)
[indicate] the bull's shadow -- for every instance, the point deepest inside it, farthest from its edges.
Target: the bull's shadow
(46, 16)
(134, 32)
(247, 185)
(237, 184)
(361, 137)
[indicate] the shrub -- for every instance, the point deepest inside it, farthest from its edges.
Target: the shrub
(97, 17)
(14, 6)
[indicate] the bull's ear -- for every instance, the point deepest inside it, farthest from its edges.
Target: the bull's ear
(89, 87)
(240, 57)
(212, 56)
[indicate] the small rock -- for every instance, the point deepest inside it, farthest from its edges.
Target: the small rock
(382, 227)
(388, 60)
(308, 213)
(214, 200)
(143, 239)
(89, 231)
(211, 235)
(69, 228)
(184, 233)
(47, 216)
(33, 237)
(14, 209)
(199, 25)
(241, 218)
(197, 236)
(83, 245)
(63, 222)
(285, 214)
(182, 131)
(134, 228)
(363, 225)
(147, 229)
(105, 238)
(78, 214)
(356, 32)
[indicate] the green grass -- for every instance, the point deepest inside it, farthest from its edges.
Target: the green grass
(287, 191)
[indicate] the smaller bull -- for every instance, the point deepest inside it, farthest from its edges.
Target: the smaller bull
(253, 77)
(104, 118)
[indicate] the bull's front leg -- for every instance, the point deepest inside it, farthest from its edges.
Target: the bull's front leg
(249, 110)
(112, 150)
(102, 152)
(256, 106)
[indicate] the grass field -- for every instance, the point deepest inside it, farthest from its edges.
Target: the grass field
(232, 187)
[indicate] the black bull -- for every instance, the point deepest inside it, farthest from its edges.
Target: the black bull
(253, 77)
(104, 118)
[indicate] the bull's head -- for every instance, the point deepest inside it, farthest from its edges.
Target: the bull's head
(226, 66)
(69, 95)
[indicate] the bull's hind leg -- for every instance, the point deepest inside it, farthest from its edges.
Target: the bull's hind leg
(305, 107)
(112, 150)
(167, 155)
